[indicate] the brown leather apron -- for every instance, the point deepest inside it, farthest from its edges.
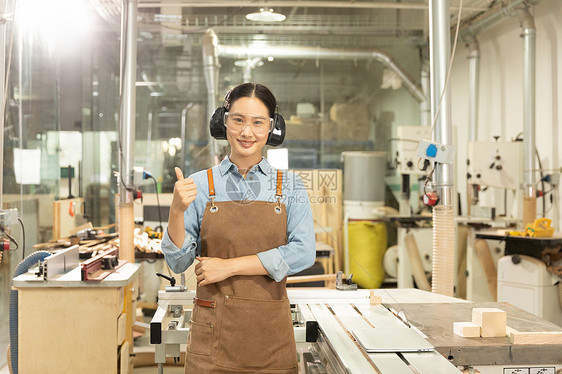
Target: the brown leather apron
(242, 324)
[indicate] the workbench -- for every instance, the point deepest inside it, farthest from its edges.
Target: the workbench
(70, 326)
(338, 313)
(436, 321)
(326, 322)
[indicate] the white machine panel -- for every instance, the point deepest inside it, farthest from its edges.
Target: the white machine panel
(495, 164)
(407, 148)
(528, 285)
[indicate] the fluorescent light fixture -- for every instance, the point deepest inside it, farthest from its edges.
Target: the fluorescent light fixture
(266, 15)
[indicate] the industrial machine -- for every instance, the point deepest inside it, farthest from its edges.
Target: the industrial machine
(530, 273)
(8, 217)
(495, 171)
(494, 174)
(407, 162)
(380, 331)
(363, 193)
(525, 282)
(418, 248)
(170, 324)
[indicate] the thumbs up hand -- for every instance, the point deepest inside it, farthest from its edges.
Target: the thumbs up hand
(185, 191)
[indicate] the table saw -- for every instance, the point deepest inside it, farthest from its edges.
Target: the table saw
(329, 325)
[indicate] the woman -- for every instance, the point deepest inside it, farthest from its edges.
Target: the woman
(249, 226)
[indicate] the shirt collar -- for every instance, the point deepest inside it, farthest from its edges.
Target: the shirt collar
(226, 165)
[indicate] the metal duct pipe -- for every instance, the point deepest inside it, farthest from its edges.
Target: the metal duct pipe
(127, 111)
(473, 82)
(425, 106)
(211, 69)
(529, 95)
(127, 105)
(313, 53)
(440, 51)
(493, 16)
(443, 215)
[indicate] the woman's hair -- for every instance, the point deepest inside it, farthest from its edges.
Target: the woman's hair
(252, 90)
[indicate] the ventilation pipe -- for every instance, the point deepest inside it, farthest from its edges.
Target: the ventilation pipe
(443, 214)
(528, 34)
(473, 82)
(312, 53)
(127, 110)
(211, 69)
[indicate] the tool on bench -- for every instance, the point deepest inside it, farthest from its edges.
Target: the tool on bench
(345, 285)
(101, 265)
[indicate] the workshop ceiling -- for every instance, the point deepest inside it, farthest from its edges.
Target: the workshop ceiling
(169, 35)
(352, 24)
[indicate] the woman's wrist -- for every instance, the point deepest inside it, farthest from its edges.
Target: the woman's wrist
(232, 267)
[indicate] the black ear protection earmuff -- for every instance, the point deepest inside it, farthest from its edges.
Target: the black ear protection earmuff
(218, 128)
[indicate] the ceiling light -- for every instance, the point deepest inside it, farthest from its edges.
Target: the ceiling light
(266, 15)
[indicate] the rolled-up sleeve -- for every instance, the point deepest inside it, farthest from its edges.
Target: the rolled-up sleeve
(300, 251)
(179, 259)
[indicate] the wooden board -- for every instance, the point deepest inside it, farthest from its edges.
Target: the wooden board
(324, 187)
(67, 215)
(534, 337)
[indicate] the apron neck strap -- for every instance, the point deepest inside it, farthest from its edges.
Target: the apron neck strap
(211, 183)
(279, 192)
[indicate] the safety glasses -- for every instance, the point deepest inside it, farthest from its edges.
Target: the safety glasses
(237, 122)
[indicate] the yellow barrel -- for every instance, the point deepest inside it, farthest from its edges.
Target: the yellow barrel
(367, 244)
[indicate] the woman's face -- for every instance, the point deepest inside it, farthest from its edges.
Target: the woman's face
(241, 134)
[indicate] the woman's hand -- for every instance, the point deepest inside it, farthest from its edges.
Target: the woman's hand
(185, 191)
(212, 270)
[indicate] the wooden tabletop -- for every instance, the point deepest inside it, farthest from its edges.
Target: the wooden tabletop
(436, 321)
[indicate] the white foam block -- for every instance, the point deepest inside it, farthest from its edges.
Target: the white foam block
(466, 329)
(491, 320)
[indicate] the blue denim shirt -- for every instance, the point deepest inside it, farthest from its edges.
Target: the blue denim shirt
(260, 184)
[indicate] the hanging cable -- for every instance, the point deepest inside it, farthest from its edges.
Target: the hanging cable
(147, 175)
(23, 238)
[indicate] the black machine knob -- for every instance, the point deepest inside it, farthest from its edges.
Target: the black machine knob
(171, 279)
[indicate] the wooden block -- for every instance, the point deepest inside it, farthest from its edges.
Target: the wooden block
(542, 337)
(466, 329)
(375, 299)
(491, 320)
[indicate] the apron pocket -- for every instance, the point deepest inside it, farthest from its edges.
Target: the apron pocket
(256, 334)
(200, 338)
